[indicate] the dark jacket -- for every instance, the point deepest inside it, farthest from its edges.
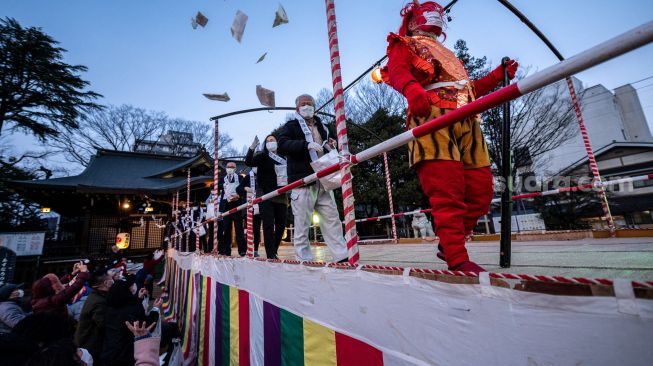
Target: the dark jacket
(118, 345)
(224, 205)
(90, 329)
(293, 144)
(246, 182)
(266, 177)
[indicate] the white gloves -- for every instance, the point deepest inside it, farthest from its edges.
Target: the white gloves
(254, 143)
(315, 147)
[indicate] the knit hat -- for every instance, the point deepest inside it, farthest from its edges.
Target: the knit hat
(7, 289)
(48, 285)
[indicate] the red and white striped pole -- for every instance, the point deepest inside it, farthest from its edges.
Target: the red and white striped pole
(187, 206)
(215, 189)
(177, 221)
(389, 189)
(351, 236)
(197, 237)
(250, 231)
(590, 157)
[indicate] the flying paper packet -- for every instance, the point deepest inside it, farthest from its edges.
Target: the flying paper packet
(219, 97)
(265, 96)
(238, 26)
(261, 58)
(280, 17)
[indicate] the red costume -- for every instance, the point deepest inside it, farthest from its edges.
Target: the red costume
(453, 163)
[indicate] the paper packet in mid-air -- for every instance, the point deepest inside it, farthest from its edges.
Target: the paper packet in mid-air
(238, 26)
(280, 17)
(199, 19)
(261, 58)
(265, 96)
(219, 97)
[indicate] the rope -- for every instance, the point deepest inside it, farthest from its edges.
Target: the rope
(250, 231)
(590, 157)
(595, 185)
(187, 204)
(215, 188)
(389, 189)
(505, 276)
(176, 221)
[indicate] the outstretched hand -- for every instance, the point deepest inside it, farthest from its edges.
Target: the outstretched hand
(511, 69)
(254, 143)
(140, 330)
(158, 254)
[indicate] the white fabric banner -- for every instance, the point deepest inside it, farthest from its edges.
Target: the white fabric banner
(256, 329)
(417, 321)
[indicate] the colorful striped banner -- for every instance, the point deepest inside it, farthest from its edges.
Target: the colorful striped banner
(228, 326)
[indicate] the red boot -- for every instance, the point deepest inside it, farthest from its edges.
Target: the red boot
(468, 266)
(440, 253)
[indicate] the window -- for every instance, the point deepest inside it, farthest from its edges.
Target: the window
(643, 183)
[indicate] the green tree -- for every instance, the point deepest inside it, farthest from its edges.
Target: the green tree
(39, 92)
(17, 212)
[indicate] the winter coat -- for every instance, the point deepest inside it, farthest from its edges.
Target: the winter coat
(90, 329)
(49, 294)
(122, 306)
(292, 143)
(10, 315)
(266, 177)
(146, 351)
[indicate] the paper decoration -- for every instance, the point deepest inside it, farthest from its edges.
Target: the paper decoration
(238, 26)
(219, 97)
(280, 17)
(261, 58)
(199, 19)
(265, 96)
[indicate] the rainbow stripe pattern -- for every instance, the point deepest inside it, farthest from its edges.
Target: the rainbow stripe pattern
(224, 325)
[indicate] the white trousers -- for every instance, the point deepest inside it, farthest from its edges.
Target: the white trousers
(306, 200)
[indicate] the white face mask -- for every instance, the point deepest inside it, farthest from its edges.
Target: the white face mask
(307, 111)
(272, 146)
(433, 18)
(231, 170)
(20, 294)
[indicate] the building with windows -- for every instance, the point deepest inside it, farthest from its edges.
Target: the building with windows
(623, 146)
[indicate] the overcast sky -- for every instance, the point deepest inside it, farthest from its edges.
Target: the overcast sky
(146, 53)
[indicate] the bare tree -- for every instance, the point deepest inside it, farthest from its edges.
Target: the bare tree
(122, 127)
(540, 122)
(365, 99)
